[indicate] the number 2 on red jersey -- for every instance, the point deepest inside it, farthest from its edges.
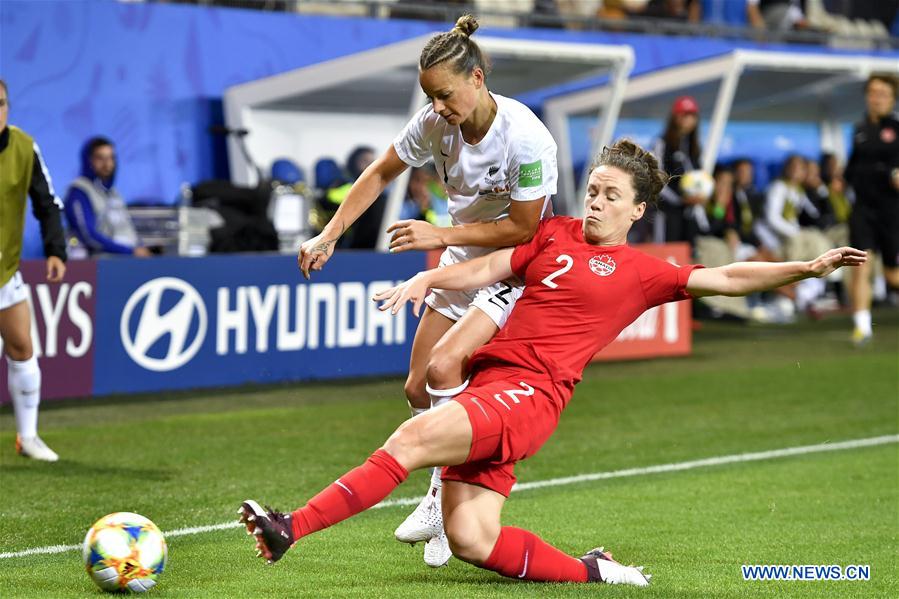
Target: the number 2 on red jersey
(569, 262)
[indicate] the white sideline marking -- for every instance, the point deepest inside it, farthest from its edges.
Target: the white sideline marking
(552, 482)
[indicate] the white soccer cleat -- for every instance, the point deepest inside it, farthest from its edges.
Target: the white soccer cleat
(602, 568)
(425, 523)
(35, 448)
(437, 551)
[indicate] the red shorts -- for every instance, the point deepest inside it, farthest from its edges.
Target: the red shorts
(512, 414)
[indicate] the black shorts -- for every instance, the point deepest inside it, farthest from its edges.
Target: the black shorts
(876, 228)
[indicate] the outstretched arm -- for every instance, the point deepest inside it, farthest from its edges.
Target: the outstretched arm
(518, 228)
(315, 252)
(743, 278)
(473, 274)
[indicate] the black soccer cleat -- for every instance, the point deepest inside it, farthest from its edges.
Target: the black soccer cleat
(602, 568)
(273, 532)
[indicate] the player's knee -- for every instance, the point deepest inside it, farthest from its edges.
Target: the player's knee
(468, 540)
(409, 444)
(18, 350)
(416, 392)
(445, 368)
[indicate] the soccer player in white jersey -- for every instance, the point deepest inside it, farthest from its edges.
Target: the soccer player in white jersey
(498, 164)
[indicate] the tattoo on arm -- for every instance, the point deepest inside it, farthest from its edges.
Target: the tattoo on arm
(328, 243)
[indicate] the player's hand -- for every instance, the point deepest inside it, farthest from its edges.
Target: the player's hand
(56, 269)
(414, 290)
(315, 252)
(831, 260)
(141, 252)
(415, 235)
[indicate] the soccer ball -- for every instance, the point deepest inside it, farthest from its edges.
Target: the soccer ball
(697, 183)
(124, 551)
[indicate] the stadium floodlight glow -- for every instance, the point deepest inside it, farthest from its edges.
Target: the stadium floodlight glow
(384, 81)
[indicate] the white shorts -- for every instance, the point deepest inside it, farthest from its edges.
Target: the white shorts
(496, 301)
(13, 292)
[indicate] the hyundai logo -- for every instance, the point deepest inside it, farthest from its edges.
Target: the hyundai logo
(152, 325)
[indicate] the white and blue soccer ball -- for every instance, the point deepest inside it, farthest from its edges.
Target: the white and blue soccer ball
(124, 552)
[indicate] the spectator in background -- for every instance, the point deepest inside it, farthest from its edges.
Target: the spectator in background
(675, 10)
(425, 198)
(781, 232)
(680, 217)
(749, 203)
(620, 9)
(840, 199)
(884, 12)
(819, 195)
(363, 235)
(776, 15)
(721, 243)
(433, 10)
(785, 202)
(873, 172)
(97, 213)
(22, 174)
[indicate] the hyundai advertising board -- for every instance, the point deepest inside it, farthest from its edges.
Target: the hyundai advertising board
(174, 323)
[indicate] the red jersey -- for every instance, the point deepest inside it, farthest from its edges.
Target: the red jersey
(577, 298)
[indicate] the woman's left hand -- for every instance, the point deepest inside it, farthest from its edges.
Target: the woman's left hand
(56, 269)
(414, 290)
(415, 235)
(833, 259)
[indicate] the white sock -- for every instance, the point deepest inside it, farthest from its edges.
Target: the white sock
(438, 398)
(862, 320)
(417, 411)
(25, 390)
(441, 396)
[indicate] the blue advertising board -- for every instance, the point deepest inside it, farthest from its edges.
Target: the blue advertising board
(179, 323)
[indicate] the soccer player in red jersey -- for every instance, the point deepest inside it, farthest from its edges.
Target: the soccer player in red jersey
(583, 285)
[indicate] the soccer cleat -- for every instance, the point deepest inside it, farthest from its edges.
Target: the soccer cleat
(437, 551)
(602, 568)
(860, 338)
(273, 532)
(35, 448)
(425, 523)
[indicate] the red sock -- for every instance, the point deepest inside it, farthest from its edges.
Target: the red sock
(522, 554)
(354, 492)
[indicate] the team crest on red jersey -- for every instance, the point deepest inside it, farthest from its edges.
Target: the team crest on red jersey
(603, 265)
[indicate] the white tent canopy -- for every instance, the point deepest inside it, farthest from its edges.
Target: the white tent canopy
(746, 85)
(378, 90)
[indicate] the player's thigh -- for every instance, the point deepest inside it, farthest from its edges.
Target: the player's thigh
(441, 436)
(892, 275)
(471, 518)
(862, 229)
(432, 326)
(455, 347)
(861, 275)
(15, 329)
(888, 244)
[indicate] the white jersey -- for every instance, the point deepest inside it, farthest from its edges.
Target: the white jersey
(515, 161)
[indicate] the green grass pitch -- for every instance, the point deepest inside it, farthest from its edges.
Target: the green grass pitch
(188, 459)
